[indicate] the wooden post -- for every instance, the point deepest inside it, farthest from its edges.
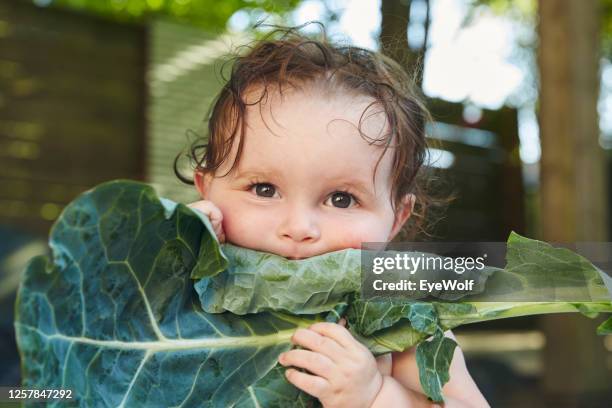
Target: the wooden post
(573, 188)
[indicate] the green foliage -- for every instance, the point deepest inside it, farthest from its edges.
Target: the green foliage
(605, 327)
(606, 27)
(114, 316)
(518, 9)
(209, 14)
(433, 359)
(526, 10)
(274, 391)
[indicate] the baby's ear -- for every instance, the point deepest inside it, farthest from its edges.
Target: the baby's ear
(202, 183)
(402, 214)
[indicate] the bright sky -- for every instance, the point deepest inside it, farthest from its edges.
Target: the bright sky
(605, 105)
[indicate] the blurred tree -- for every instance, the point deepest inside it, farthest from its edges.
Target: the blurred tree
(210, 14)
(573, 178)
(404, 33)
(572, 36)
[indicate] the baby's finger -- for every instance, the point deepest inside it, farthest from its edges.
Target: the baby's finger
(214, 215)
(218, 228)
(207, 207)
(313, 385)
(316, 363)
(336, 332)
(311, 340)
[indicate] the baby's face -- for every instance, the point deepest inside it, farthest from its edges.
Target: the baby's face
(304, 186)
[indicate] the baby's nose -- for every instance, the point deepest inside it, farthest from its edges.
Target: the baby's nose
(299, 228)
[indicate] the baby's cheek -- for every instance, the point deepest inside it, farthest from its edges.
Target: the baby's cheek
(354, 237)
(233, 228)
(352, 241)
(244, 229)
(230, 221)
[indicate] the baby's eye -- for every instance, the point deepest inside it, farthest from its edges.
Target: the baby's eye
(341, 199)
(264, 189)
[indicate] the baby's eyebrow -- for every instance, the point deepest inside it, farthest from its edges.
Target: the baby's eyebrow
(360, 186)
(254, 173)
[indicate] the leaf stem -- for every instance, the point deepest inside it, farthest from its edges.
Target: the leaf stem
(485, 311)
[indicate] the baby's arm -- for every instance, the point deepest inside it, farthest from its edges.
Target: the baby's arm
(214, 215)
(460, 391)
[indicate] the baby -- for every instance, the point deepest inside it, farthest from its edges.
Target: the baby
(315, 148)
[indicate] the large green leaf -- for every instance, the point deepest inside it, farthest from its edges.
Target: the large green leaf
(256, 281)
(274, 391)
(115, 318)
(433, 359)
(537, 271)
(538, 278)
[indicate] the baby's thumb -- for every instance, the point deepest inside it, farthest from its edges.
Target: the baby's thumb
(209, 209)
(214, 215)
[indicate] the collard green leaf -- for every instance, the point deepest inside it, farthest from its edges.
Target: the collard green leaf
(256, 281)
(394, 324)
(433, 359)
(274, 391)
(423, 317)
(213, 260)
(334, 315)
(536, 271)
(115, 318)
(370, 316)
(398, 337)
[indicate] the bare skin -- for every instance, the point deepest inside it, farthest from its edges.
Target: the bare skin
(304, 187)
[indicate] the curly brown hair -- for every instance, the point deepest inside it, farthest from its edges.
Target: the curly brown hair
(286, 58)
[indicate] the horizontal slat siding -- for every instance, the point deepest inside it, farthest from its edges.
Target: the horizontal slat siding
(180, 104)
(72, 112)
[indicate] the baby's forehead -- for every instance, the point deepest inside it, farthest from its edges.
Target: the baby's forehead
(308, 131)
(312, 107)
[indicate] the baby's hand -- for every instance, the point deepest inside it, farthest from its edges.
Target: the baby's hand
(343, 372)
(214, 215)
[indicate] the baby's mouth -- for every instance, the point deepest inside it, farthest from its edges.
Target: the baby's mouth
(297, 258)
(292, 255)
